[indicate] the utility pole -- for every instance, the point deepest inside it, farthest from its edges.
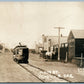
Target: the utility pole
(58, 41)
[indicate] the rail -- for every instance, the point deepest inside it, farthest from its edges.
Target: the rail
(35, 68)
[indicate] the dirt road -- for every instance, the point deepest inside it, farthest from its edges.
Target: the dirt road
(12, 72)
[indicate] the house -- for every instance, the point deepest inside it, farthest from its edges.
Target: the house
(75, 44)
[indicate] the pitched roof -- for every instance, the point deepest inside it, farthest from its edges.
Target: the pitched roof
(54, 39)
(78, 33)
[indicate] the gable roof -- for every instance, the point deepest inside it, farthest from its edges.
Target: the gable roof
(54, 39)
(78, 33)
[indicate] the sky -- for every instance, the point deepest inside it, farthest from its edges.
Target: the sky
(25, 22)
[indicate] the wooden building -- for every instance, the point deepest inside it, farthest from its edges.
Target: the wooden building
(50, 41)
(75, 44)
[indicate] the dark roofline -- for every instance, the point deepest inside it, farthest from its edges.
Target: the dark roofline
(20, 46)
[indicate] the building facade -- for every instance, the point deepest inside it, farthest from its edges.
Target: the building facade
(75, 44)
(50, 41)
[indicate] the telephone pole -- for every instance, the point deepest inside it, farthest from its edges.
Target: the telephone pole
(58, 41)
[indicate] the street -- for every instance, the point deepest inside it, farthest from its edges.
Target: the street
(67, 71)
(41, 41)
(10, 71)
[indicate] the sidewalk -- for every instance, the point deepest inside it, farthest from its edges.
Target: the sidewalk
(67, 71)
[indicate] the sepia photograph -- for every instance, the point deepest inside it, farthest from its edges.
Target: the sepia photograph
(41, 42)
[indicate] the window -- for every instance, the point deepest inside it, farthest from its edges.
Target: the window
(20, 52)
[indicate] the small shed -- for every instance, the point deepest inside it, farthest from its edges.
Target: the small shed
(75, 44)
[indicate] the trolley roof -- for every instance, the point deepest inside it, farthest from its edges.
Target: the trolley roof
(21, 47)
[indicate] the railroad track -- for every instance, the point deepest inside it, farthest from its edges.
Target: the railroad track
(50, 73)
(42, 75)
(31, 72)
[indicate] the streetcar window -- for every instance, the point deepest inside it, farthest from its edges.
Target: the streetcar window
(20, 52)
(17, 51)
